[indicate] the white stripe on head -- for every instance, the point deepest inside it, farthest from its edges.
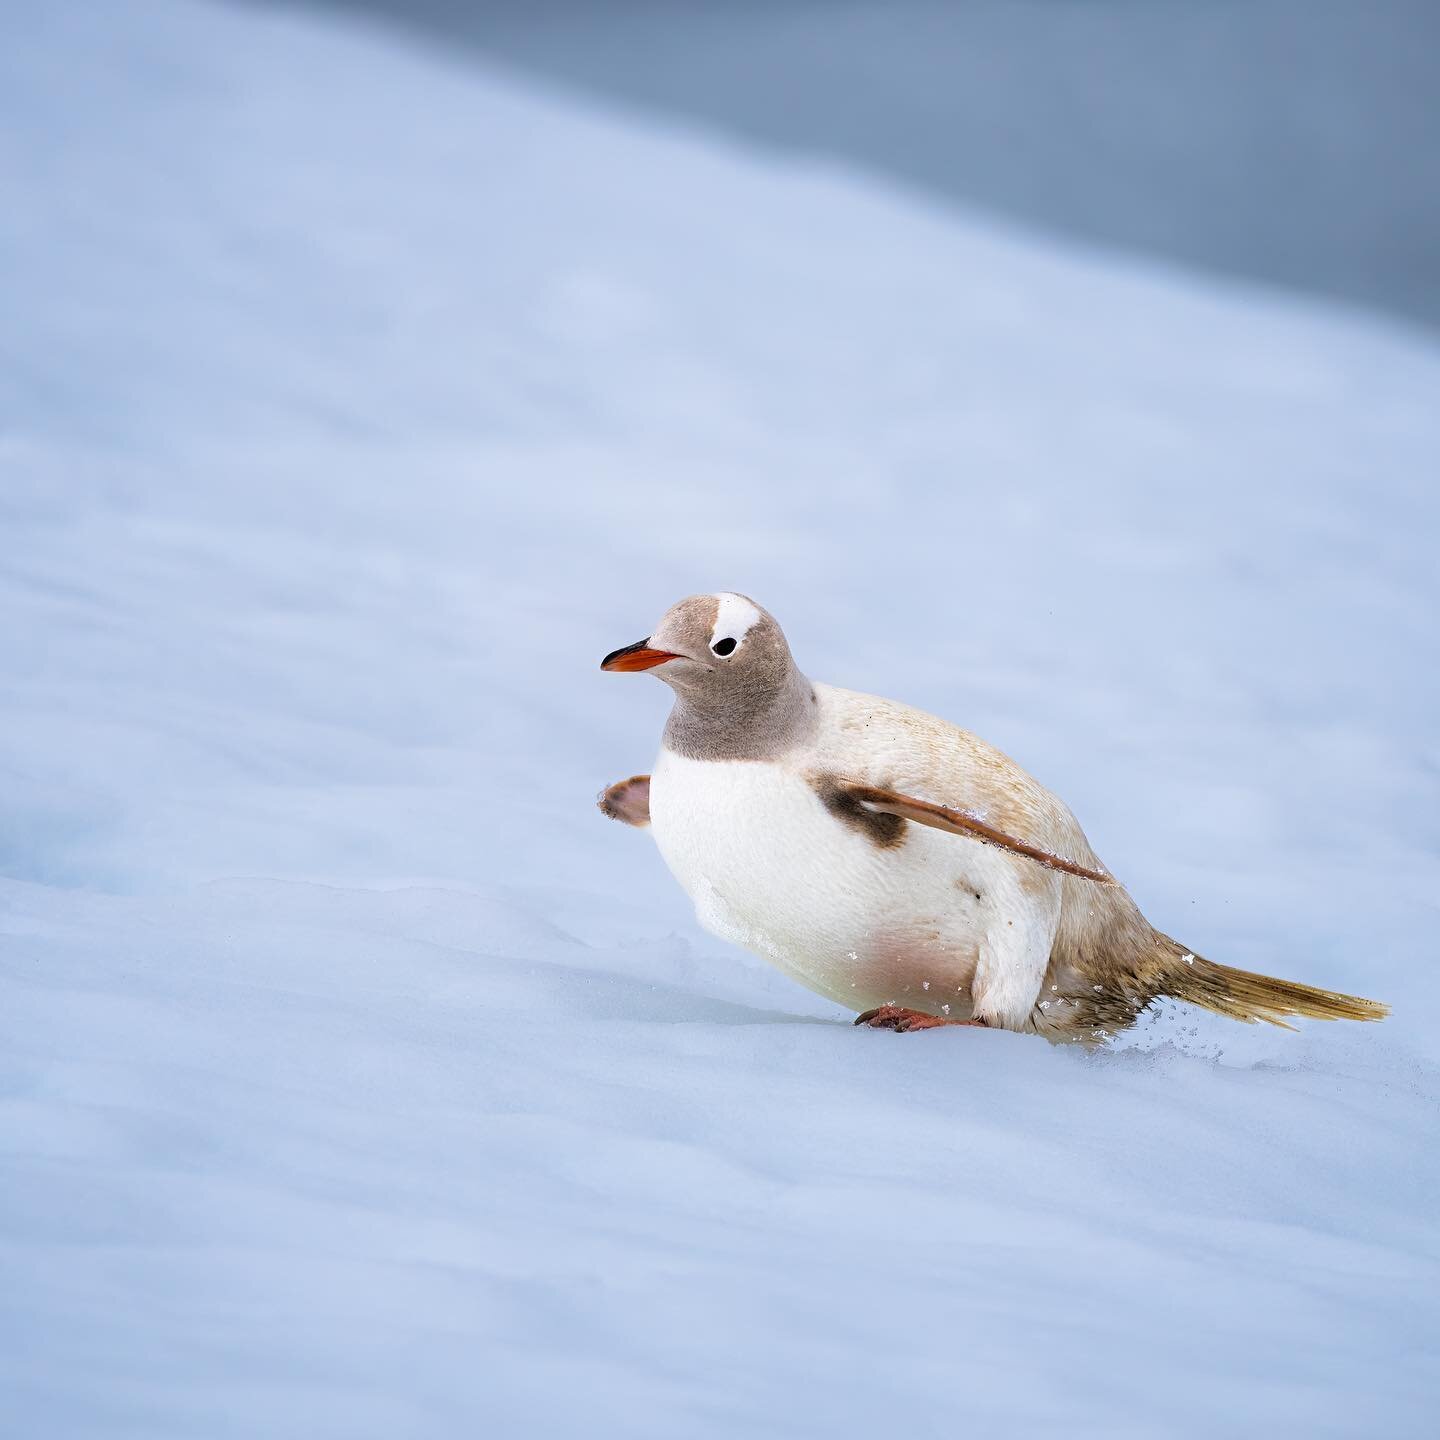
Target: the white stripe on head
(734, 617)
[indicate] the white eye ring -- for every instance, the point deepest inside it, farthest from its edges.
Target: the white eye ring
(726, 645)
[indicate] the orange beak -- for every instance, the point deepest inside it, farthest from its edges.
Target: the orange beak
(638, 656)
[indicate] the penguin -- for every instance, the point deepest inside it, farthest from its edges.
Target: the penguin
(893, 862)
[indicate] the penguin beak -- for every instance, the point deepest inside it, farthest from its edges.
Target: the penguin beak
(638, 656)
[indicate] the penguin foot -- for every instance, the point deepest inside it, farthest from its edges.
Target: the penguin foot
(897, 1017)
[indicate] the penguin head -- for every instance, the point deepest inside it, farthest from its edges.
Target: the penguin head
(713, 647)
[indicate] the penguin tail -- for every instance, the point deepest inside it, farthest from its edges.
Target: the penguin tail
(1243, 995)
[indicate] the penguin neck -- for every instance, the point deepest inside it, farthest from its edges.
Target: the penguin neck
(741, 725)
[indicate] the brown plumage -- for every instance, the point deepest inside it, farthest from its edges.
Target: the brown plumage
(627, 801)
(878, 802)
(1109, 964)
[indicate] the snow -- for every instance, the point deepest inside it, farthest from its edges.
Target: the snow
(359, 1079)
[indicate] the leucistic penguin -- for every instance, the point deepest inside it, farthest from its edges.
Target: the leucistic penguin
(892, 861)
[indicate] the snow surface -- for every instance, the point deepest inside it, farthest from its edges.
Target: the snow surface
(359, 1079)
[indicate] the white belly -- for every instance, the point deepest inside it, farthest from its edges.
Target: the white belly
(770, 868)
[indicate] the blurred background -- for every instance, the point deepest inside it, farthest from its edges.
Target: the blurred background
(1295, 142)
(1067, 368)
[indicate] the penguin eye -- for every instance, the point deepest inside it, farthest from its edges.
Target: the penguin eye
(723, 647)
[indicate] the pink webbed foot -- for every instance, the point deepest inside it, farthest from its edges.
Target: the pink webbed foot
(897, 1017)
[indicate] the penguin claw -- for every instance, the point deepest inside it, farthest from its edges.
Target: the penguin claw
(898, 1018)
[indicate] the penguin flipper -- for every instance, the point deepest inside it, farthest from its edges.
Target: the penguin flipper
(957, 822)
(627, 800)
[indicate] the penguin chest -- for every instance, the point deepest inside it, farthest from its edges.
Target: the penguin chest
(770, 867)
